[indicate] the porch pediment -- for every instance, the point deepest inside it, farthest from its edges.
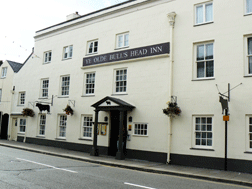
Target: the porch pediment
(111, 103)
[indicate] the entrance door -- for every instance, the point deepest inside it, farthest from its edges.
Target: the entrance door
(14, 129)
(114, 130)
(4, 126)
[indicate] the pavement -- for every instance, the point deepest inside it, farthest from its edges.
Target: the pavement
(244, 179)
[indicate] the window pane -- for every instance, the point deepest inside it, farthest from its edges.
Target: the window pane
(209, 120)
(199, 14)
(209, 142)
(209, 51)
(209, 12)
(209, 69)
(209, 128)
(200, 69)
(250, 120)
(249, 6)
(197, 127)
(250, 64)
(200, 52)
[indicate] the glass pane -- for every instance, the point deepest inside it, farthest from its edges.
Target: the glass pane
(198, 135)
(209, 120)
(203, 127)
(197, 141)
(197, 127)
(203, 135)
(209, 128)
(203, 141)
(251, 144)
(200, 69)
(250, 129)
(200, 52)
(197, 120)
(249, 6)
(209, 69)
(249, 46)
(209, 12)
(209, 51)
(209, 142)
(250, 64)
(250, 120)
(209, 135)
(203, 120)
(250, 137)
(199, 14)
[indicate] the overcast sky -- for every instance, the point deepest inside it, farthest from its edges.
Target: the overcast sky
(21, 19)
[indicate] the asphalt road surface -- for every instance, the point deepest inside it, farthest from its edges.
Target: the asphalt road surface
(23, 169)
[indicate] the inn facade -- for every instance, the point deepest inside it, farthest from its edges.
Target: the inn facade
(118, 67)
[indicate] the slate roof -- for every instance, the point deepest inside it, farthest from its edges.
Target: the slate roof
(15, 65)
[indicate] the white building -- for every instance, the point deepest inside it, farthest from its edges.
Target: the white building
(132, 58)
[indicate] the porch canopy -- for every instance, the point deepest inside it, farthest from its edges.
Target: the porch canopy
(110, 104)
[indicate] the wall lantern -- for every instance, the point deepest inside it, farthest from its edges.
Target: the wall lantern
(106, 118)
(130, 119)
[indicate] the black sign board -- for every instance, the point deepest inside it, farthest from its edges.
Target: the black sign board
(163, 48)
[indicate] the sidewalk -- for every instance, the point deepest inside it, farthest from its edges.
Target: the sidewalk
(206, 174)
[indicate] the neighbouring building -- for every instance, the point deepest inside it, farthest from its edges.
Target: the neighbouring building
(116, 68)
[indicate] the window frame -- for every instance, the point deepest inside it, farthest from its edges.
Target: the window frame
(62, 123)
(1, 92)
(246, 7)
(89, 126)
(21, 98)
(87, 85)
(116, 85)
(22, 125)
(4, 72)
(124, 44)
(203, 13)
(93, 47)
(42, 88)
(68, 52)
(194, 137)
(65, 86)
(42, 125)
(47, 56)
(248, 140)
(195, 75)
(141, 135)
(248, 56)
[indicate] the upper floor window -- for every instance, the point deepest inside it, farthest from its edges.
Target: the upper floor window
(92, 47)
(4, 72)
(249, 55)
(65, 84)
(21, 98)
(122, 40)
(47, 57)
(68, 52)
(204, 60)
(121, 81)
(204, 13)
(248, 6)
(44, 88)
(90, 83)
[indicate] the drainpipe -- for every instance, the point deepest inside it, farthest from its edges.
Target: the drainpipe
(171, 17)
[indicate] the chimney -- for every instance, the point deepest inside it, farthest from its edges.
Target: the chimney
(72, 16)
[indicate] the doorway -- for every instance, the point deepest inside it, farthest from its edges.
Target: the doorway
(114, 130)
(4, 126)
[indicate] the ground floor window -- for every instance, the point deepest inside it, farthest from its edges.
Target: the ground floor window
(42, 124)
(62, 125)
(22, 125)
(203, 131)
(87, 126)
(250, 133)
(141, 129)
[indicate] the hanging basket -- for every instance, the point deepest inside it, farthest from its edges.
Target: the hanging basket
(172, 110)
(28, 112)
(68, 110)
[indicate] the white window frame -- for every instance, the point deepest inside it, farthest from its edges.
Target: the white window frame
(199, 128)
(203, 5)
(122, 40)
(68, 52)
(64, 88)
(89, 83)
(21, 98)
(92, 46)
(205, 61)
(62, 125)
(248, 9)
(47, 57)
(4, 72)
(1, 91)
(248, 132)
(42, 124)
(22, 125)
(120, 81)
(248, 56)
(44, 88)
(87, 127)
(140, 129)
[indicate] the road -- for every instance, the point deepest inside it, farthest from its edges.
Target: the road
(23, 169)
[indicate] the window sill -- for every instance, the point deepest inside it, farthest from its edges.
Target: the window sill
(248, 152)
(203, 79)
(118, 94)
(250, 75)
(88, 95)
(20, 105)
(43, 98)
(21, 133)
(60, 138)
(40, 136)
(140, 135)
(63, 96)
(119, 48)
(66, 58)
(46, 62)
(3, 77)
(90, 54)
(86, 139)
(201, 24)
(248, 14)
(204, 149)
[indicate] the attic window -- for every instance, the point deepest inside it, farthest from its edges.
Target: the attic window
(4, 72)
